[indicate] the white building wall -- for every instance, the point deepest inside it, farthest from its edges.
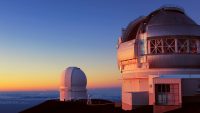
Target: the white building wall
(151, 90)
(132, 90)
(141, 91)
(126, 100)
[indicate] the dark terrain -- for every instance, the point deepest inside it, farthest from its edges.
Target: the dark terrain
(99, 106)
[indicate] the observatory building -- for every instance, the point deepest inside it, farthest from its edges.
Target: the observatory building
(73, 84)
(159, 60)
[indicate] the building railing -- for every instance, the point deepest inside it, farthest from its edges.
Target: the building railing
(173, 45)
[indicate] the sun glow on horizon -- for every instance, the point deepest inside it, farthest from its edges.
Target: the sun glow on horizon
(26, 81)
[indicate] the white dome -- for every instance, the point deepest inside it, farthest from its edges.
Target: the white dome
(73, 79)
(73, 84)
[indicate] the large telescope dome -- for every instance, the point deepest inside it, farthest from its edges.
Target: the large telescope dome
(161, 22)
(163, 39)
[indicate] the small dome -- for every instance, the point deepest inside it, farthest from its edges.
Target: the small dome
(74, 79)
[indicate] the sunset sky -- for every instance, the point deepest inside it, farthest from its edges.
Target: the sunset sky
(40, 38)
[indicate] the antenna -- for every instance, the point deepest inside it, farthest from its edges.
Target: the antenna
(89, 101)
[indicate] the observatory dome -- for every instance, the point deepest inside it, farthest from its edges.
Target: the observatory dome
(74, 79)
(163, 39)
(73, 84)
(161, 22)
(169, 16)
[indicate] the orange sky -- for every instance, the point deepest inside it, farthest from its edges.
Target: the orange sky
(29, 76)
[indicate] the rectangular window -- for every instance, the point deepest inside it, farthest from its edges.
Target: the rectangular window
(166, 94)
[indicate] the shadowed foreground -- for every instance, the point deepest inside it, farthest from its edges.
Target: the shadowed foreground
(99, 106)
(188, 108)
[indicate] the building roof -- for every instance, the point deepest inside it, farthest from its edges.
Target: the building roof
(165, 21)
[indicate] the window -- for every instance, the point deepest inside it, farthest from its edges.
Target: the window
(173, 45)
(169, 45)
(156, 46)
(167, 94)
(163, 88)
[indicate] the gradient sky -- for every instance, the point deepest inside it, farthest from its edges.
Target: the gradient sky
(40, 38)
